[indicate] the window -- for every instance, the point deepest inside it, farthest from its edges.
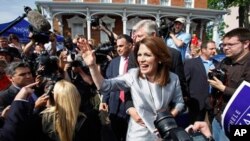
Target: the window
(165, 2)
(106, 1)
(77, 29)
(189, 3)
(137, 1)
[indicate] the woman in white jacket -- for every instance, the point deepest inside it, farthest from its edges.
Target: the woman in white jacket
(153, 87)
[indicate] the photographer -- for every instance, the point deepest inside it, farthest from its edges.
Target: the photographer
(235, 69)
(77, 73)
(177, 38)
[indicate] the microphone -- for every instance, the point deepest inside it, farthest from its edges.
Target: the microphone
(37, 21)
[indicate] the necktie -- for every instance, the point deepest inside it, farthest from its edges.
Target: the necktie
(125, 69)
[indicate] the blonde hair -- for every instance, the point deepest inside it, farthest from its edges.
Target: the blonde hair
(65, 111)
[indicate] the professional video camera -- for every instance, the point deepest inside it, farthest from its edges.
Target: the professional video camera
(95, 22)
(45, 64)
(105, 48)
(74, 60)
(165, 28)
(169, 131)
(39, 37)
(39, 26)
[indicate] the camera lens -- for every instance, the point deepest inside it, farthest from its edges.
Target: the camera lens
(164, 123)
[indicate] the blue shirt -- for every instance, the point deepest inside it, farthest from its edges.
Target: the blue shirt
(185, 37)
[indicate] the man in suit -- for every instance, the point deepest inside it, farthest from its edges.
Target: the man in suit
(20, 75)
(18, 125)
(196, 70)
(114, 102)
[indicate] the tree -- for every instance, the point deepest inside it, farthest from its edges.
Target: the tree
(244, 9)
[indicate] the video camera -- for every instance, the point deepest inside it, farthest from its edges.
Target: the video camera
(105, 48)
(39, 26)
(39, 37)
(169, 131)
(95, 22)
(165, 28)
(45, 64)
(74, 60)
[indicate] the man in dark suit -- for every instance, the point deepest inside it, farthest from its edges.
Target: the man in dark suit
(114, 102)
(196, 70)
(20, 75)
(17, 126)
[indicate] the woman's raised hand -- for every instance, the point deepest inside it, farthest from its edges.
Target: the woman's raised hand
(88, 54)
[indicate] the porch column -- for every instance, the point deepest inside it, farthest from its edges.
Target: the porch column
(215, 32)
(124, 22)
(88, 18)
(188, 23)
(201, 30)
(158, 20)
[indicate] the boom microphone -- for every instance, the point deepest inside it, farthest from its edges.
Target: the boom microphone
(38, 21)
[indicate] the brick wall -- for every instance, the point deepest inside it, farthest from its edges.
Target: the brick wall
(154, 2)
(200, 4)
(119, 1)
(91, 0)
(177, 3)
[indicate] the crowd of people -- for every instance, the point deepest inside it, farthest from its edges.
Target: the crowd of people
(114, 91)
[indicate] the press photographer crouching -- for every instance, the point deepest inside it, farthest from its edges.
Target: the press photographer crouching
(169, 131)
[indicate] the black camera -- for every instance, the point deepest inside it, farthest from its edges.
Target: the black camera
(74, 60)
(165, 28)
(95, 22)
(169, 131)
(39, 37)
(45, 64)
(218, 73)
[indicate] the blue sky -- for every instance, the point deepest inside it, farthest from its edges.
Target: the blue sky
(11, 9)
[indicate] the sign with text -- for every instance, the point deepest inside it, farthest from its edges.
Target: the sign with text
(237, 111)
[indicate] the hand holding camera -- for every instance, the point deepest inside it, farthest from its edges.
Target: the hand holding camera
(216, 78)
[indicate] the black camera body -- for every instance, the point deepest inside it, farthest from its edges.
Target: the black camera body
(166, 28)
(95, 22)
(74, 61)
(169, 131)
(39, 37)
(218, 73)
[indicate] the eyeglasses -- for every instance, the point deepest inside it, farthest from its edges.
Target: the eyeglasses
(229, 45)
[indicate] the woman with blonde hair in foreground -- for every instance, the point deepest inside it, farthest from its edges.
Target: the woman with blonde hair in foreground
(62, 120)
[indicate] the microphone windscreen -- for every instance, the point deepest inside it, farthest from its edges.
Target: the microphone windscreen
(38, 21)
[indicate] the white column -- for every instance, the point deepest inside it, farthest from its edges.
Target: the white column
(124, 22)
(215, 32)
(88, 24)
(201, 30)
(188, 23)
(158, 20)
